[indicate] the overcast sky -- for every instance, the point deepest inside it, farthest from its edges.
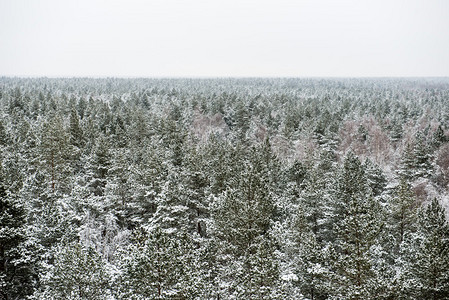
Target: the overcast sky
(208, 38)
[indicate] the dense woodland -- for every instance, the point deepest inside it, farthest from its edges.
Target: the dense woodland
(224, 188)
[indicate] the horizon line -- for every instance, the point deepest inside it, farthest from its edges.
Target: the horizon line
(221, 77)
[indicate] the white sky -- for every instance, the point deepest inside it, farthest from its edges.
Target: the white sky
(178, 38)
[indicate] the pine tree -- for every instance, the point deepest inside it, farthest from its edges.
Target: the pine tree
(241, 120)
(242, 218)
(99, 167)
(171, 213)
(396, 130)
(244, 212)
(423, 158)
(376, 179)
(395, 243)
(438, 138)
(223, 161)
(314, 203)
(357, 229)
(430, 264)
(310, 259)
(194, 183)
(407, 166)
(119, 190)
(297, 173)
(76, 133)
(161, 266)
(3, 135)
(34, 108)
(403, 212)
(76, 273)
(55, 154)
(257, 276)
(16, 280)
(81, 108)
(16, 101)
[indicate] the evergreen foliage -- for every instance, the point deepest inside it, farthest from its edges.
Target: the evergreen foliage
(16, 269)
(357, 229)
(76, 273)
(161, 266)
(431, 261)
(224, 188)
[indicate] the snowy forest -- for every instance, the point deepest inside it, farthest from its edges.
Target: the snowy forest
(224, 188)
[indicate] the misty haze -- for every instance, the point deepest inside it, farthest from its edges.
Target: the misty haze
(224, 149)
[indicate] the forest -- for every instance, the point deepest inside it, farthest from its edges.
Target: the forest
(225, 188)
